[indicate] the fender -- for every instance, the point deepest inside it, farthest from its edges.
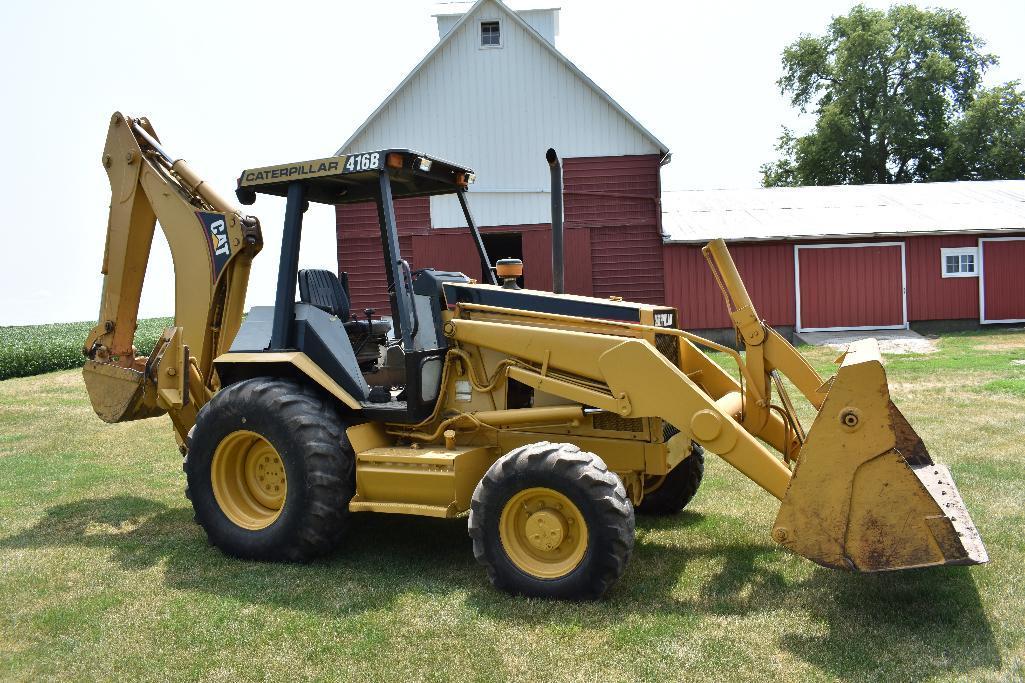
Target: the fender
(238, 366)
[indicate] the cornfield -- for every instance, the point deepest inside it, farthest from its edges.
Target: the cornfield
(34, 349)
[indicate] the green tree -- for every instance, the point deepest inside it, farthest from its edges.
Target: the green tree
(897, 98)
(988, 141)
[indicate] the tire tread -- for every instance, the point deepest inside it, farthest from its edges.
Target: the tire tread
(603, 488)
(329, 464)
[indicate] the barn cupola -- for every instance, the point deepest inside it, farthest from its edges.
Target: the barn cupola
(543, 20)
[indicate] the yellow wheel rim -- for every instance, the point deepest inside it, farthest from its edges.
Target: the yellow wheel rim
(248, 478)
(543, 533)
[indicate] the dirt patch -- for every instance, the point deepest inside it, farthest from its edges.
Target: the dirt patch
(893, 345)
(922, 345)
(1009, 345)
(890, 341)
(919, 385)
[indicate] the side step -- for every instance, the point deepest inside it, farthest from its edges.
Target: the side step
(359, 505)
(431, 481)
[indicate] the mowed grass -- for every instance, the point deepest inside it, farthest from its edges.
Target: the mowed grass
(104, 576)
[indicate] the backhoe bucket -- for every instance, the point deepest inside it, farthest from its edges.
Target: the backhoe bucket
(865, 495)
(119, 394)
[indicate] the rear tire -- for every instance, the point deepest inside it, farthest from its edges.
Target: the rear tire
(676, 489)
(270, 471)
(550, 520)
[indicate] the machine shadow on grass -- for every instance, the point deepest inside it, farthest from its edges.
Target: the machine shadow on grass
(934, 616)
(901, 625)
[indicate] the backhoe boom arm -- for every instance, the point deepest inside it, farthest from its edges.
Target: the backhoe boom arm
(212, 245)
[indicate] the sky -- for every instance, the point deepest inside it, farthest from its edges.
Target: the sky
(233, 85)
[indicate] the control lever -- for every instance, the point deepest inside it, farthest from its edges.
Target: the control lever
(370, 329)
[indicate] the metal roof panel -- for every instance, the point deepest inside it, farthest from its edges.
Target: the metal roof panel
(839, 211)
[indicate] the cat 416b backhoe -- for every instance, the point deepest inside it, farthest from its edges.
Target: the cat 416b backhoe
(548, 418)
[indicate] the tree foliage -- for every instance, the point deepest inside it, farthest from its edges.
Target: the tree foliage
(988, 141)
(897, 98)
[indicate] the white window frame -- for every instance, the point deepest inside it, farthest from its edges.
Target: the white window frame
(480, 34)
(848, 245)
(982, 280)
(959, 252)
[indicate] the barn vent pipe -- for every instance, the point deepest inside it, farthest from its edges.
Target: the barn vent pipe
(558, 262)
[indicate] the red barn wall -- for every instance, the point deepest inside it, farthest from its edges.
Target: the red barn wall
(614, 248)
(767, 270)
(1004, 285)
(617, 199)
(537, 259)
(846, 286)
(930, 295)
(359, 247)
(453, 249)
(446, 250)
(613, 240)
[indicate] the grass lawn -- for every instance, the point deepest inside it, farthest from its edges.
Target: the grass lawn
(105, 576)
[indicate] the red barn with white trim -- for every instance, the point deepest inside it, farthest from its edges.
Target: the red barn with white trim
(876, 257)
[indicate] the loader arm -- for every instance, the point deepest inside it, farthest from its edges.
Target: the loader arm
(859, 490)
(212, 246)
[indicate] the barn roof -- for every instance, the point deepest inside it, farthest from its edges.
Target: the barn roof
(544, 43)
(843, 211)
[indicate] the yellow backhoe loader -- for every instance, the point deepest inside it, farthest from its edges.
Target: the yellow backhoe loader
(548, 418)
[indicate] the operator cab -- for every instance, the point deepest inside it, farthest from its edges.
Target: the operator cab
(393, 370)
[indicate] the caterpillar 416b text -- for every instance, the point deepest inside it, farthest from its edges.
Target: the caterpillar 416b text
(549, 418)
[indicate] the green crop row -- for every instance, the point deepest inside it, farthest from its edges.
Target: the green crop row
(34, 349)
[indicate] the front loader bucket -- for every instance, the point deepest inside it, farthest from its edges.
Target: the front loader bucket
(865, 494)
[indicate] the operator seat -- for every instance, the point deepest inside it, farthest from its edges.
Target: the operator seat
(328, 292)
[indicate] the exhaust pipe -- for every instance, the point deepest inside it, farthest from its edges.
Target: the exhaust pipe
(558, 262)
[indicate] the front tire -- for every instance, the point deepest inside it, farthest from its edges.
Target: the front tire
(270, 471)
(550, 520)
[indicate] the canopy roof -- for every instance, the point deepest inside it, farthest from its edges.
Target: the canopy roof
(351, 178)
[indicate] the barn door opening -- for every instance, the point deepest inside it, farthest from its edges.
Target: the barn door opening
(501, 245)
(1001, 280)
(850, 287)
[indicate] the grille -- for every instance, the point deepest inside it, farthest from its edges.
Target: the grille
(615, 423)
(668, 432)
(669, 346)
